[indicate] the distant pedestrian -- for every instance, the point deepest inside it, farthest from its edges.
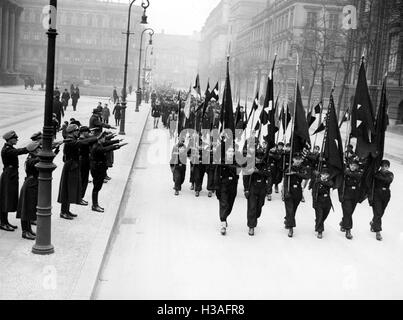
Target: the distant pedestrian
(117, 112)
(65, 99)
(106, 113)
(115, 95)
(130, 89)
(58, 109)
(75, 96)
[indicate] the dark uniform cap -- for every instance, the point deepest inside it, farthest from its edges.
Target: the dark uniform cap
(84, 129)
(33, 146)
(325, 171)
(10, 135)
(36, 136)
(95, 110)
(71, 128)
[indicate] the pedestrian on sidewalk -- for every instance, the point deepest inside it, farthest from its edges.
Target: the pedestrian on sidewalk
(98, 165)
(117, 113)
(29, 192)
(106, 114)
(9, 179)
(70, 181)
(381, 197)
(115, 96)
(75, 96)
(65, 99)
(58, 109)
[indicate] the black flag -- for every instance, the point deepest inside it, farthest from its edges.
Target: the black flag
(362, 116)
(301, 130)
(227, 112)
(333, 151)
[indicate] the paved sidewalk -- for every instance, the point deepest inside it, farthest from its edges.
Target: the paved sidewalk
(71, 272)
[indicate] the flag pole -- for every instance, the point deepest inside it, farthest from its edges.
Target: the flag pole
(293, 120)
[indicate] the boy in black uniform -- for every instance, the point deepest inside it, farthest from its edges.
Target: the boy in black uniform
(275, 166)
(321, 199)
(349, 195)
(383, 180)
(178, 168)
(256, 188)
(292, 191)
(226, 184)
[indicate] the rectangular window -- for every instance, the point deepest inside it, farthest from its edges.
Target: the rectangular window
(393, 51)
(368, 4)
(333, 21)
(311, 20)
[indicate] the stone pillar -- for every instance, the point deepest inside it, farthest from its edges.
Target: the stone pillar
(11, 40)
(17, 39)
(4, 38)
(1, 28)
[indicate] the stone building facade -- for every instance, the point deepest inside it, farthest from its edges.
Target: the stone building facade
(90, 44)
(10, 14)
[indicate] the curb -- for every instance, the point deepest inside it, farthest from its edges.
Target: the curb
(87, 282)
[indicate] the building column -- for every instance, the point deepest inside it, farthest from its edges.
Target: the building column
(1, 28)
(11, 41)
(4, 38)
(17, 38)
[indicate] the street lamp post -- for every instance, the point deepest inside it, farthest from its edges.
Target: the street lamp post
(138, 98)
(145, 64)
(46, 166)
(124, 93)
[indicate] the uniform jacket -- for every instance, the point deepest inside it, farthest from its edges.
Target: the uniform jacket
(9, 178)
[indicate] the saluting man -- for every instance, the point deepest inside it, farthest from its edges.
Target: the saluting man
(383, 180)
(29, 192)
(9, 179)
(99, 165)
(70, 181)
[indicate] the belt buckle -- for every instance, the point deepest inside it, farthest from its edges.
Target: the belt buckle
(384, 189)
(258, 180)
(229, 178)
(295, 186)
(353, 188)
(326, 195)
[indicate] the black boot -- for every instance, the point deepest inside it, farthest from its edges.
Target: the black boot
(290, 232)
(349, 236)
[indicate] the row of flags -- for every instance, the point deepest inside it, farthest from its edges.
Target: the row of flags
(368, 130)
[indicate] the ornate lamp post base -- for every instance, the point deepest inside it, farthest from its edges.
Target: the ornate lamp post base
(122, 123)
(138, 100)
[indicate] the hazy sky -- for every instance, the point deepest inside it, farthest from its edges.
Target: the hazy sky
(178, 16)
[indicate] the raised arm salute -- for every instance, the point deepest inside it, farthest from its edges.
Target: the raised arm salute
(9, 179)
